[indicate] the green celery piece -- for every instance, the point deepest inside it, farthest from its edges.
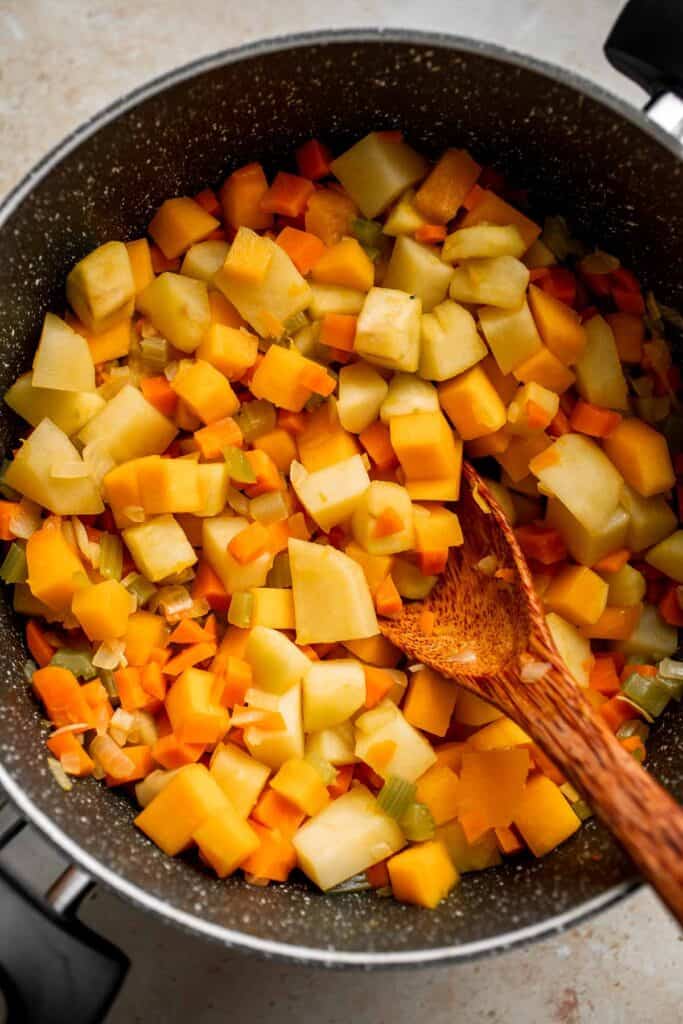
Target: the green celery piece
(280, 574)
(396, 796)
(74, 661)
(238, 465)
(651, 694)
(14, 568)
(417, 823)
(111, 556)
(368, 232)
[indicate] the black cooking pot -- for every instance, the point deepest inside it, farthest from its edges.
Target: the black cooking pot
(615, 174)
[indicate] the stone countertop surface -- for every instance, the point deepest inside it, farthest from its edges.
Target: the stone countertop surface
(60, 62)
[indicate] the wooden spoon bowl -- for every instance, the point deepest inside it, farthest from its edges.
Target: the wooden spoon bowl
(485, 629)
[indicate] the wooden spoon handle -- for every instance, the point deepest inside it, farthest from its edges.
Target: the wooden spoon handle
(642, 815)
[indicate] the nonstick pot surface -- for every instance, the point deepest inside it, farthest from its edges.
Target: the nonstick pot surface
(617, 181)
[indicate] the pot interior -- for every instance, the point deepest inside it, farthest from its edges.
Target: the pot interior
(616, 184)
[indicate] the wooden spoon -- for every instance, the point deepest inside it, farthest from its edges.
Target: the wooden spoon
(482, 627)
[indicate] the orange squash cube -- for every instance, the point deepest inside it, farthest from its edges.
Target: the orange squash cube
(194, 716)
(543, 816)
(231, 350)
(102, 610)
(641, 455)
(544, 368)
(55, 572)
(144, 632)
(140, 257)
(248, 258)
(438, 789)
(178, 224)
(278, 378)
(225, 840)
(302, 785)
(423, 874)
(577, 594)
(174, 815)
(425, 446)
(430, 701)
(280, 445)
(558, 324)
(492, 784)
(472, 404)
(205, 391)
(347, 265)
(440, 196)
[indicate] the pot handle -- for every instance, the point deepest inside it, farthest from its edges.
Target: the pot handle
(646, 44)
(52, 967)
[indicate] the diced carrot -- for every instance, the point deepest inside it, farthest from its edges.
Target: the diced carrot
(508, 841)
(431, 563)
(128, 683)
(211, 629)
(249, 543)
(615, 712)
(341, 782)
(427, 621)
(221, 434)
(189, 657)
(303, 248)
(207, 584)
(160, 394)
(317, 380)
(376, 440)
(40, 648)
(208, 200)
(474, 196)
(298, 527)
(59, 691)
(274, 858)
(329, 214)
(378, 875)
(614, 624)
(277, 812)
(65, 745)
(538, 273)
(189, 632)
(267, 475)
(278, 536)
(593, 419)
(152, 680)
(232, 685)
(241, 196)
(378, 683)
(604, 677)
(8, 510)
(387, 598)
(338, 330)
(170, 752)
(542, 543)
(313, 160)
(670, 609)
(159, 262)
(649, 671)
(288, 195)
(560, 283)
(613, 562)
(387, 522)
(143, 764)
(292, 422)
(430, 234)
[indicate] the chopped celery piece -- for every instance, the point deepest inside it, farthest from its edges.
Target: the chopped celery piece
(651, 694)
(107, 680)
(154, 352)
(670, 669)
(5, 490)
(140, 587)
(324, 769)
(111, 556)
(396, 796)
(368, 232)
(256, 418)
(77, 662)
(238, 465)
(634, 727)
(417, 823)
(674, 686)
(280, 574)
(357, 883)
(240, 610)
(14, 568)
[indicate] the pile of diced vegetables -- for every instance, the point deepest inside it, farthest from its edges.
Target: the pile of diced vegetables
(247, 436)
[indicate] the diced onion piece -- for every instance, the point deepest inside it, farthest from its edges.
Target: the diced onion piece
(97, 460)
(111, 757)
(140, 587)
(326, 771)
(110, 655)
(271, 507)
(416, 667)
(120, 725)
(75, 727)
(197, 610)
(26, 520)
(261, 883)
(267, 720)
(150, 787)
(111, 556)
(60, 776)
(670, 669)
(171, 370)
(241, 609)
(466, 657)
(143, 728)
(71, 763)
(171, 600)
(238, 502)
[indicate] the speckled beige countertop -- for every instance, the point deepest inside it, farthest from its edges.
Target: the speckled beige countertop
(62, 60)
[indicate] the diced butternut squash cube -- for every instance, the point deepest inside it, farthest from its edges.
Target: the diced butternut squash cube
(544, 368)
(558, 324)
(577, 594)
(430, 701)
(492, 784)
(129, 427)
(438, 789)
(511, 334)
(194, 716)
(178, 224)
(499, 734)
(178, 307)
(345, 264)
(573, 648)
(55, 572)
(100, 288)
(472, 404)
(279, 378)
(350, 835)
(544, 818)
(167, 485)
(241, 195)
(225, 840)
(466, 856)
(324, 441)
(140, 257)
(114, 343)
(472, 710)
(232, 350)
(272, 607)
(575, 470)
(144, 632)
(519, 452)
(102, 610)
(440, 196)
(205, 391)
(424, 874)
(417, 270)
(174, 815)
(375, 650)
(159, 547)
(214, 482)
(500, 281)
(248, 258)
(239, 775)
(269, 303)
(300, 783)
(375, 171)
(629, 335)
(641, 455)
(280, 446)
(425, 446)
(388, 329)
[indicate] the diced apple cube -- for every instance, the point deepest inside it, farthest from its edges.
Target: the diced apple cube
(667, 556)
(499, 281)
(649, 520)
(330, 495)
(588, 545)
(408, 394)
(573, 648)
(380, 497)
(62, 360)
(216, 536)
(159, 548)
(332, 691)
(68, 410)
(100, 288)
(417, 270)
(626, 586)
(388, 329)
(240, 777)
(361, 392)
(31, 472)
(179, 309)
(204, 259)
(273, 747)
(575, 470)
(404, 218)
(333, 745)
(375, 171)
(450, 342)
(276, 663)
(483, 241)
(329, 298)
(653, 638)
(385, 724)
(599, 375)
(511, 334)
(332, 600)
(130, 427)
(532, 409)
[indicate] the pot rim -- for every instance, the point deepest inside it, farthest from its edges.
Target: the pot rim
(12, 200)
